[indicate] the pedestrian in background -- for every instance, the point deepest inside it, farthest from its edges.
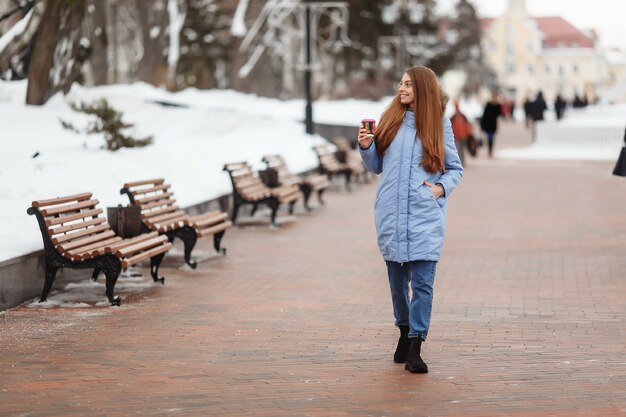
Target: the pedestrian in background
(462, 130)
(559, 106)
(413, 148)
(528, 111)
(489, 121)
(539, 107)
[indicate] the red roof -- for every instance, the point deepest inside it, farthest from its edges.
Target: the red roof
(557, 32)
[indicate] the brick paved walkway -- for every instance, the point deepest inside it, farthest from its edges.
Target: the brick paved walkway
(529, 316)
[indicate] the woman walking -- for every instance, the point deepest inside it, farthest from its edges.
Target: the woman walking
(413, 147)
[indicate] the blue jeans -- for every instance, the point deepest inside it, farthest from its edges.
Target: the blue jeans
(415, 313)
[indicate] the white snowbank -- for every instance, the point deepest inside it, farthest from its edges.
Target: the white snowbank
(594, 133)
(191, 145)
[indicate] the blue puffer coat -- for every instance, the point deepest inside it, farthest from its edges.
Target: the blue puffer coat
(410, 223)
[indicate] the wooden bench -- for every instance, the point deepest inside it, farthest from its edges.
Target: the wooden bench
(248, 188)
(159, 213)
(333, 163)
(308, 184)
(74, 236)
(351, 158)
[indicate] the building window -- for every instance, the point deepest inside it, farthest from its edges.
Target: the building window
(511, 68)
(574, 68)
(530, 68)
(547, 69)
(561, 71)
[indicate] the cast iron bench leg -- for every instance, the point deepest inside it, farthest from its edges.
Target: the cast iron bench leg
(217, 239)
(189, 237)
(94, 275)
(235, 211)
(155, 262)
(51, 272)
(273, 205)
(306, 190)
(319, 196)
(112, 267)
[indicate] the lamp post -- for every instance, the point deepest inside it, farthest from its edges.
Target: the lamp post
(280, 18)
(308, 117)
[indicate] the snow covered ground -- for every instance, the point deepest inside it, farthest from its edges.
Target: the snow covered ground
(594, 133)
(191, 144)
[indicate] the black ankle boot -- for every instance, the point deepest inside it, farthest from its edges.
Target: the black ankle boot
(414, 362)
(402, 351)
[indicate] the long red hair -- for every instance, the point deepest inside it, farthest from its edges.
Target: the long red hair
(428, 107)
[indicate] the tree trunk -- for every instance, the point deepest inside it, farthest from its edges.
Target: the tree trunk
(153, 66)
(97, 32)
(54, 64)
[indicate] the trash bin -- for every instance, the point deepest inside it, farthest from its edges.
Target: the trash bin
(125, 221)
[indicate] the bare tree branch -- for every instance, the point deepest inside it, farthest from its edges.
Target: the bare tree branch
(23, 40)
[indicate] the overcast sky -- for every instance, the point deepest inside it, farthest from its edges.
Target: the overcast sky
(607, 17)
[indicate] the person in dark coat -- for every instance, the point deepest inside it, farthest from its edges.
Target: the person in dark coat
(559, 106)
(539, 106)
(489, 121)
(528, 110)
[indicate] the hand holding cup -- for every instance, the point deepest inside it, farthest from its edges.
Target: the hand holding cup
(366, 132)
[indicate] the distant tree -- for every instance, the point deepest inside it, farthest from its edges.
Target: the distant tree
(464, 34)
(56, 59)
(206, 44)
(153, 21)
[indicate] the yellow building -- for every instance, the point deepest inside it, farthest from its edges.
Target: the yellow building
(543, 53)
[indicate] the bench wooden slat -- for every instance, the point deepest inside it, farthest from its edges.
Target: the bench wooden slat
(172, 224)
(204, 221)
(128, 242)
(214, 229)
(156, 197)
(232, 166)
(167, 216)
(76, 226)
(249, 179)
(144, 182)
(253, 189)
(72, 217)
(61, 200)
(94, 246)
(159, 203)
(85, 241)
(84, 232)
(146, 255)
(150, 190)
(287, 198)
(242, 172)
(149, 214)
(68, 208)
(127, 251)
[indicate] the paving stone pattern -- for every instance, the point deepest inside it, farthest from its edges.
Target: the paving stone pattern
(528, 319)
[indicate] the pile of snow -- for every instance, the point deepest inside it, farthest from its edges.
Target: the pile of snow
(192, 143)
